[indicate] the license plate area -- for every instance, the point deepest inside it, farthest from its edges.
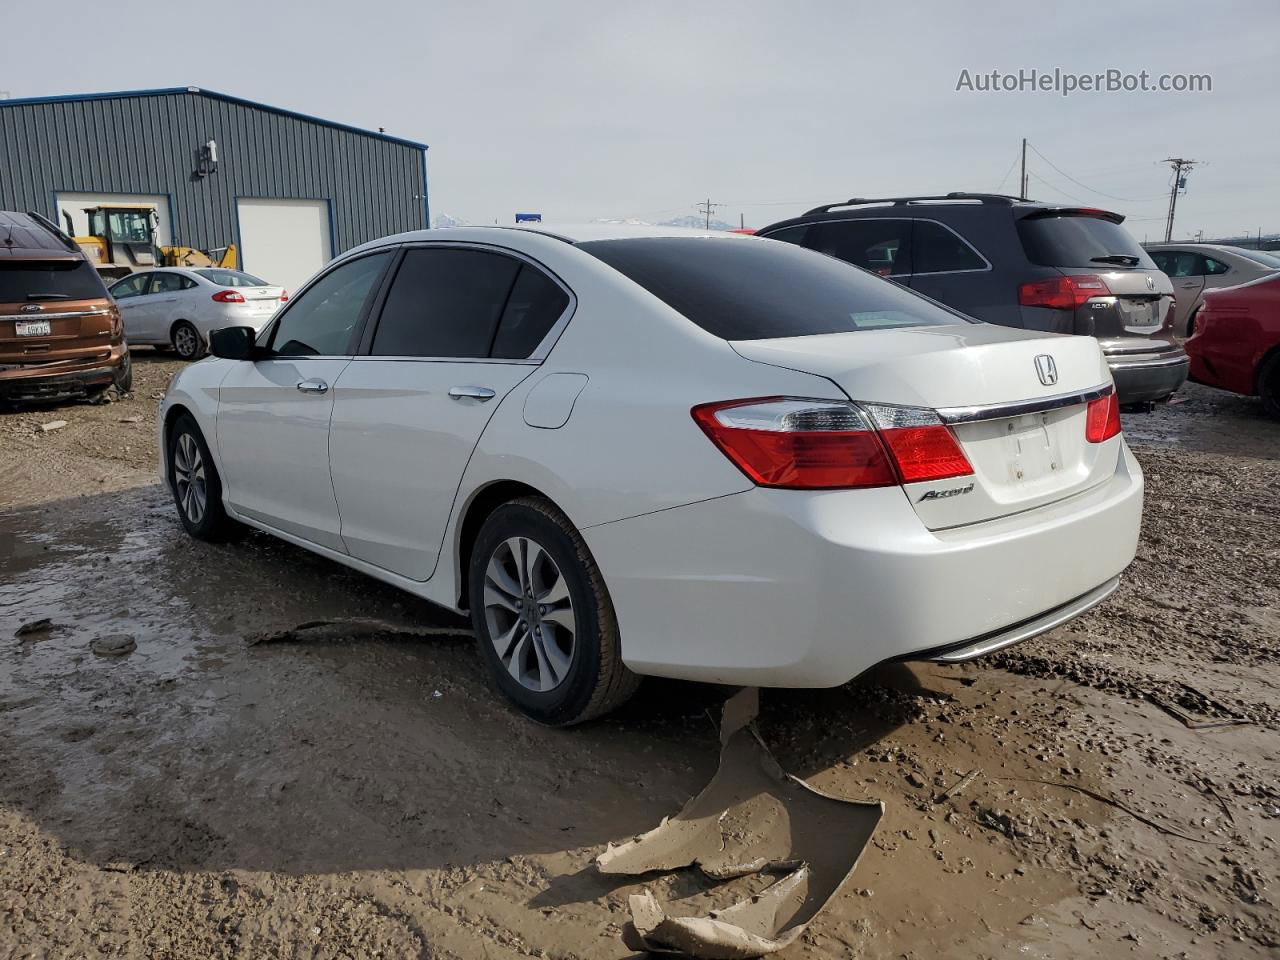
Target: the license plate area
(32, 328)
(1031, 448)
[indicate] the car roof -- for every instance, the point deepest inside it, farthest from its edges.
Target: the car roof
(22, 237)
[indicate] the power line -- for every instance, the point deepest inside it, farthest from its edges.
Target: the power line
(1000, 185)
(1101, 193)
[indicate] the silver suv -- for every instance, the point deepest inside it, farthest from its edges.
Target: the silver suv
(1018, 263)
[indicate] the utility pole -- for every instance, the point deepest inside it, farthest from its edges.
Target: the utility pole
(742, 225)
(707, 208)
(1022, 180)
(1179, 183)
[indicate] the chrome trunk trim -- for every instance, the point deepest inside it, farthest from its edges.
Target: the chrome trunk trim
(997, 411)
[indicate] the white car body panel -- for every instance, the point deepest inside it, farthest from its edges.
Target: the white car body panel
(276, 475)
(398, 444)
(712, 577)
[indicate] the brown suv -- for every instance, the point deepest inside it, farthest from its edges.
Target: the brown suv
(60, 331)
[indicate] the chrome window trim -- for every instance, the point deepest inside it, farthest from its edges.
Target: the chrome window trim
(998, 411)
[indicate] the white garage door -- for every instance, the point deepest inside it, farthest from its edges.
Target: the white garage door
(284, 241)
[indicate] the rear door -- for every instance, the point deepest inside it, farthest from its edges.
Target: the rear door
(946, 267)
(457, 331)
(1186, 270)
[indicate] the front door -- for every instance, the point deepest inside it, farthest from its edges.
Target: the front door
(454, 337)
(273, 413)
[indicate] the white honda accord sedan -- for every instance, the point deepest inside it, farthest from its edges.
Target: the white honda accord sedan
(632, 451)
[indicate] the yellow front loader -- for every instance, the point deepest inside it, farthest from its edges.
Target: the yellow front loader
(122, 240)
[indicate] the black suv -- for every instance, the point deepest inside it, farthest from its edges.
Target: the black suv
(1017, 263)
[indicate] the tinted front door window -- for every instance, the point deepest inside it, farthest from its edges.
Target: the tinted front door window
(322, 320)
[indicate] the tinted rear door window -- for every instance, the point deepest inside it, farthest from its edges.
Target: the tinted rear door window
(879, 245)
(937, 249)
(1078, 241)
(535, 304)
(744, 289)
(444, 302)
(51, 280)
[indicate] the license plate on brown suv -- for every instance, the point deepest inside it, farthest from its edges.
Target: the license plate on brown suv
(32, 328)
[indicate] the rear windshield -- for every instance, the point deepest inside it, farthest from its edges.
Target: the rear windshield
(232, 278)
(760, 289)
(36, 281)
(1080, 241)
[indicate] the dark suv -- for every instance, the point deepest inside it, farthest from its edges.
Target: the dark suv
(1017, 263)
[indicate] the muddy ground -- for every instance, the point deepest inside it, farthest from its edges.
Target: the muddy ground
(363, 794)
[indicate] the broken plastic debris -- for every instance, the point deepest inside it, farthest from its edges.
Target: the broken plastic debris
(750, 819)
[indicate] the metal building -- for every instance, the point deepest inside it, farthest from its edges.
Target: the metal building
(289, 190)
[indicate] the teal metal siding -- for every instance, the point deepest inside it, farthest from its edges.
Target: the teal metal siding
(148, 142)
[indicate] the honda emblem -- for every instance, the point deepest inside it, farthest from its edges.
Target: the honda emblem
(1046, 369)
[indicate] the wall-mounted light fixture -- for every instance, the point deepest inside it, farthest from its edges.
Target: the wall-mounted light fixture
(207, 158)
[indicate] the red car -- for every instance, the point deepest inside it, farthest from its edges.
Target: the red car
(1236, 344)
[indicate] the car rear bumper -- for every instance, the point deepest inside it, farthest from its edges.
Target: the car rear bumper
(810, 589)
(61, 378)
(1149, 374)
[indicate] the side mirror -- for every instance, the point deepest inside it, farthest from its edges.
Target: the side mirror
(234, 343)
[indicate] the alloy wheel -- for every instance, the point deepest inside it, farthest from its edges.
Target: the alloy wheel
(185, 341)
(189, 478)
(529, 614)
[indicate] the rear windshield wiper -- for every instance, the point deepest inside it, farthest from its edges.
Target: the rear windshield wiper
(48, 296)
(1122, 259)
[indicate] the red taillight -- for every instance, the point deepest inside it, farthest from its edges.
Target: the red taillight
(926, 453)
(819, 444)
(1062, 293)
(284, 295)
(1102, 419)
(229, 296)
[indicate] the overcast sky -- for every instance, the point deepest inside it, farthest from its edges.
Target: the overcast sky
(581, 110)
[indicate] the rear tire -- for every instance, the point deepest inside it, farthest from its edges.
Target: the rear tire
(124, 375)
(187, 342)
(1269, 386)
(543, 618)
(195, 484)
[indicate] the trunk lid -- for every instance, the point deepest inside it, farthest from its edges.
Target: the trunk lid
(1024, 438)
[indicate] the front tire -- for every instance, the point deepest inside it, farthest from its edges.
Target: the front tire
(543, 618)
(187, 342)
(195, 484)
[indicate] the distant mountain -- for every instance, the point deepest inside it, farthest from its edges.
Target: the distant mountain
(697, 223)
(444, 220)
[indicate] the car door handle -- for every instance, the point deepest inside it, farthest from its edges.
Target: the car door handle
(471, 393)
(313, 386)
(1188, 284)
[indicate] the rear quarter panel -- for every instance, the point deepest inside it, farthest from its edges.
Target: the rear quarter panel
(1236, 332)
